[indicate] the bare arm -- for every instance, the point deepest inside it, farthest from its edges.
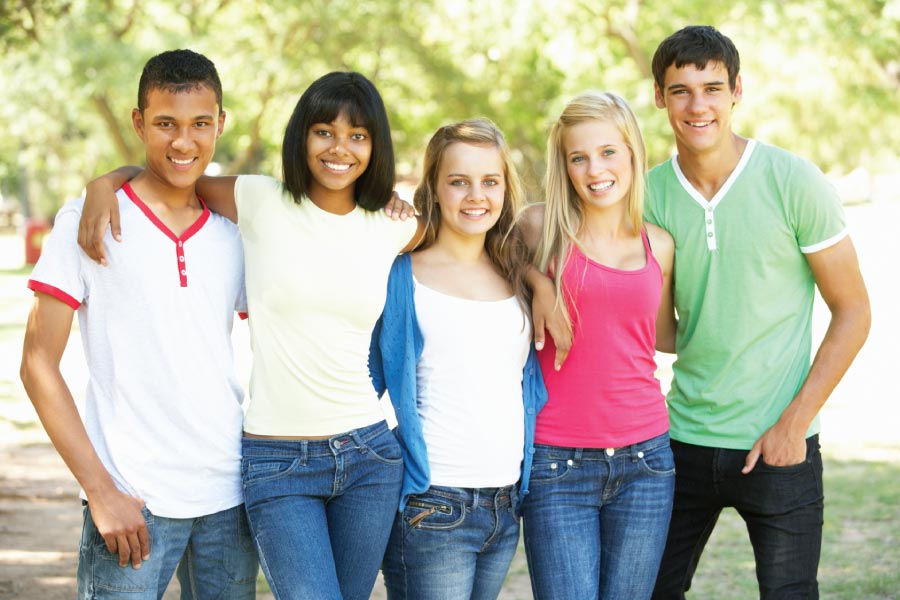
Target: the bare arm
(664, 251)
(218, 193)
(548, 313)
(837, 275)
(117, 516)
(101, 209)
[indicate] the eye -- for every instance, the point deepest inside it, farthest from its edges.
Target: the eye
(165, 124)
(458, 182)
(577, 159)
(713, 90)
(359, 137)
(202, 124)
(609, 152)
(491, 182)
(322, 133)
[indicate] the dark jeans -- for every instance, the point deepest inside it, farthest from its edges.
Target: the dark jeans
(782, 507)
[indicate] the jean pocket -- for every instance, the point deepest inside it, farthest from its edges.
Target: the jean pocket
(658, 462)
(430, 513)
(108, 575)
(256, 469)
(384, 448)
(764, 466)
(547, 470)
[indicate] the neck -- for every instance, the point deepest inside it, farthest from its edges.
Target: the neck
(338, 202)
(708, 171)
(605, 222)
(461, 249)
(154, 191)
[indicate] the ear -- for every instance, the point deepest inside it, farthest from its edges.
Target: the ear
(660, 99)
(221, 126)
(738, 90)
(137, 120)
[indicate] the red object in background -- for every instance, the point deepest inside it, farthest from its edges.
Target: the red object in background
(35, 231)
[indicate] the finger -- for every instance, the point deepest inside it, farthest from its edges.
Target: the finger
(111, 544)
(115, 224)
(124, 550)
(751, 460)
(561, 353)
(144, 539)
(392, 206)
(135, 546)
(538, 333)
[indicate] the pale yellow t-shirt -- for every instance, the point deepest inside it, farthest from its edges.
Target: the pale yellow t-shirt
(316, 285)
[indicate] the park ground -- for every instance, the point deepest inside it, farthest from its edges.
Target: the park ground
(40, 515)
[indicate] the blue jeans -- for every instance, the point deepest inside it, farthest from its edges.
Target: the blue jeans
(452, 543)
(321, 510)
(596, 520)
(783, 508)
(214, 556)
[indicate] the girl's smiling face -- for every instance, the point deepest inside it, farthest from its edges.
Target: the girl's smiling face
(598, 162)
(470, 188)
(337, 153)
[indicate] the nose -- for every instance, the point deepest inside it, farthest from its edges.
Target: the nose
(476, 191)
(340, 146)
(697, 103)
(183, 140)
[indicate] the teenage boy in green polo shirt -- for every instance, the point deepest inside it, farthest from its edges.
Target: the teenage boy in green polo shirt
(756, 229)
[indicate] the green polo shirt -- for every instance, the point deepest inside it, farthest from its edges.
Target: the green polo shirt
(743, 290)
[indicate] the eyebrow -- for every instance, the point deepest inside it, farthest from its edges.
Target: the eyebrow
(678, 86)
(609, 145)
(171, 118)
(465, 175)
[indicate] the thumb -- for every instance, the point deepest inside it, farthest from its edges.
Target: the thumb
(752, 458)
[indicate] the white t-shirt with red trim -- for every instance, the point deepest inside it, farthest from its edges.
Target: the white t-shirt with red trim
(163, 405)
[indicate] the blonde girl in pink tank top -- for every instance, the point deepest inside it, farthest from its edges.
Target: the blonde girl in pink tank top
(602, 479)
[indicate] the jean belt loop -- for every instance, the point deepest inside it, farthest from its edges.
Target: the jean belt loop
(579, 452)
(304, 452)
(476, 493)
(357, 440)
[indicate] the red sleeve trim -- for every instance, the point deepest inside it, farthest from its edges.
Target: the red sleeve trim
(244, 316)
(57, 293)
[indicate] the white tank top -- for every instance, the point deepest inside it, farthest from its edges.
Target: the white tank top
(469, 384)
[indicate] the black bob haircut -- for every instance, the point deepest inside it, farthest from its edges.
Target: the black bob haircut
(178, 71)
(696, 45)
(322, 102)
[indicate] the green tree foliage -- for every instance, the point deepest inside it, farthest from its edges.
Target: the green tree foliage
(821, 77)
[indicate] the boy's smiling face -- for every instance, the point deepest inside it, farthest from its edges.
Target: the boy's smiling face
(179, 131)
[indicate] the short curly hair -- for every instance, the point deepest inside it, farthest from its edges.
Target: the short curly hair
(178, 71)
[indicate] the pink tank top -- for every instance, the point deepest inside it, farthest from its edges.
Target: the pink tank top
(606, 394)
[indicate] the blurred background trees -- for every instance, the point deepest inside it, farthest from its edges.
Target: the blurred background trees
(821, 77)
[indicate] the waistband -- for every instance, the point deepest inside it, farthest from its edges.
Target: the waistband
(470, 497)
(252, 447)
(633, 451)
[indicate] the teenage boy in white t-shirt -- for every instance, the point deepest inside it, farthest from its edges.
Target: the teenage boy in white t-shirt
(158, 454)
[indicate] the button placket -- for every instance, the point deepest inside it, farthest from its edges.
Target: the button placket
(710, 218)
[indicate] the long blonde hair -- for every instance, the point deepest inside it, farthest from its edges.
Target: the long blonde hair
(503, 244)
(564, 212)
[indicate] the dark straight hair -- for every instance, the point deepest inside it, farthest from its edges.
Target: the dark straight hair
(696, 45)
(178, 71)
(322, 102)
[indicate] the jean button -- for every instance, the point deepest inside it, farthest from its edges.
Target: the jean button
(337, 444)
(640, 455)
(610, 451)
(570, 462)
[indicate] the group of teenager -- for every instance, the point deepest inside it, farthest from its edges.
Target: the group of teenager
(714, 255)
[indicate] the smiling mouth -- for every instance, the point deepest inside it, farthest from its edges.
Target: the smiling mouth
(339, 167)
(600, 187)
(699, 124)
(182, 162)
(474, 212)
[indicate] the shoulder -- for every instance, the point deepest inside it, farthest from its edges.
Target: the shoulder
(659, 173)
(659, 238)
(531, 223)
(257, 184)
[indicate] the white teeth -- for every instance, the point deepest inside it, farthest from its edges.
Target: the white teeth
(182, 162)
(475, 212)
(336, 166)
(699, 123)
(599, 187)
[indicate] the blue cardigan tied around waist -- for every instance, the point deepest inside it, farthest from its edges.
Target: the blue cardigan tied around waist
(395, 349)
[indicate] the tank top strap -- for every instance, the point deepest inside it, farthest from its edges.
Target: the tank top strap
(646, 239)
